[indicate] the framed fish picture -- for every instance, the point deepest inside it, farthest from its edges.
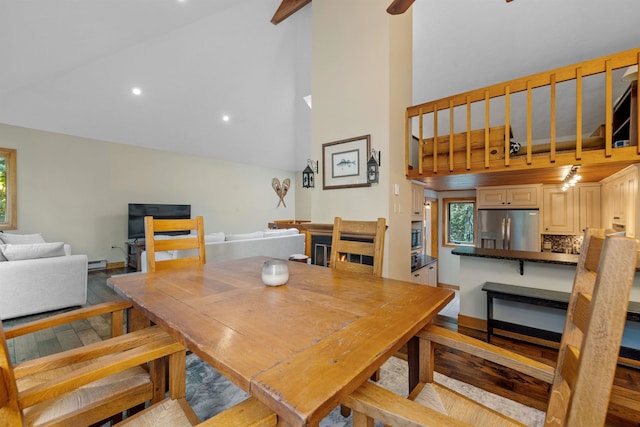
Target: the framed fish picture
(344, 163)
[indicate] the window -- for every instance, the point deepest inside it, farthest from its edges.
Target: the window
(8, 207)
(459, 221)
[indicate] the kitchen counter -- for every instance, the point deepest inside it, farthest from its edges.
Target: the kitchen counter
(420, 261)
(541, 257)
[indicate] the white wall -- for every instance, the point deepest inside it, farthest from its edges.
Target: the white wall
(76, 190)
(448, 265)
(361, 84)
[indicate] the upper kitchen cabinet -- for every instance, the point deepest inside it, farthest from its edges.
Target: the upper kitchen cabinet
(521, 196)
(619, 197)
(570, 211)
(589, 207)
(558, 210)
(417, 202)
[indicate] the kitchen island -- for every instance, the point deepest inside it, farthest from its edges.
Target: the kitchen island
(537, 270)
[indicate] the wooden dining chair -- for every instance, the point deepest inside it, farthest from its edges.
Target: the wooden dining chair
(155, 243)
(88, 384)
(582, 380)
(175, 411)
(354, 241)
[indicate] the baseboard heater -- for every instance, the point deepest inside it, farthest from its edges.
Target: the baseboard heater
(99, 264)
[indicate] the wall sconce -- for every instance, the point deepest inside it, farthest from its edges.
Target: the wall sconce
(571, 179)
(307, 174)
(427, 205)
(373, 167)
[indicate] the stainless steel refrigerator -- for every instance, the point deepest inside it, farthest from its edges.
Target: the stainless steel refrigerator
(515, 229)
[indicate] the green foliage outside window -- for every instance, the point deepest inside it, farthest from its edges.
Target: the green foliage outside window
(461, 217)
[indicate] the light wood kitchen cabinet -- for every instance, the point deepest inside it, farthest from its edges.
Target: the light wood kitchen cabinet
(427, 275)
(619, 196)
(570, 211)
(417, 202)
(589, 207)
(558, 212)
(524, 196)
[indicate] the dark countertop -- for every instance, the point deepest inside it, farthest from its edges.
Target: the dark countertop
(422, 261)
(543, 257)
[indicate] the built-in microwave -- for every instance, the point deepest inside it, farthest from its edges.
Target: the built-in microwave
(416, 238)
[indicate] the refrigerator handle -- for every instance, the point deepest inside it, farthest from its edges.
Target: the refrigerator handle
(502, 246)
(508, 233)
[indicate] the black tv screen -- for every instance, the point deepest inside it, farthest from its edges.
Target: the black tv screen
(137, 212)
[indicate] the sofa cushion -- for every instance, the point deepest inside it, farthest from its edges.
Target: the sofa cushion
(21, 239)
(214, 237)
(245, 236)
(281, 232)
(32, 251)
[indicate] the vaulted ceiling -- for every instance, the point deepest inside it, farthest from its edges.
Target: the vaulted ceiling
(69, 66)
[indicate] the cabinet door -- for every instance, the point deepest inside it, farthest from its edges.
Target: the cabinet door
(488, 197)
(631, 189)
(557, 210)
(522, 197)
(432, 273)
(421, 276)
(519, 197)
(417, 204)
(589, 199)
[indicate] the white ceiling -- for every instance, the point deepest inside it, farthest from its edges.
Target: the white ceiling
(68, 65)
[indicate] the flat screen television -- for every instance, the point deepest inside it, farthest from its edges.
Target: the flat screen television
(137, 212)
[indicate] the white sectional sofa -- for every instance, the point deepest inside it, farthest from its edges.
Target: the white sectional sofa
(39, 277)
(281, 243)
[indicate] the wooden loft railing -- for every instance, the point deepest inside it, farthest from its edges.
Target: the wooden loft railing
(488, 149)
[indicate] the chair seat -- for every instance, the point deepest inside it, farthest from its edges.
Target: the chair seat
(132, 385)
(169, 412)
(449, 402)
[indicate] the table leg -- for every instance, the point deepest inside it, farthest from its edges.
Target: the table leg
(489, 316)
(413, 360)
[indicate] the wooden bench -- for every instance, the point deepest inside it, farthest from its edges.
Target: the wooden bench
(546, 298)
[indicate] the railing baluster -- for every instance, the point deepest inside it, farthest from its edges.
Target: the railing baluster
(486, 128)
(421, 142)
(451, 135)
(552, 119)
(468, 132)
(507, 125)
(608, 123)
(407, 133)
(435, 138)
(529, 96)
(578, 113)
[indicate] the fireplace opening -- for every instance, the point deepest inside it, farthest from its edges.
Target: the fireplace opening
(321, 251)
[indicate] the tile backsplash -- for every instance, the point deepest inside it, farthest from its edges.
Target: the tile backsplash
(561, 243)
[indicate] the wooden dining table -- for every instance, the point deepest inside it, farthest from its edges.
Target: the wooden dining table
(300, 348)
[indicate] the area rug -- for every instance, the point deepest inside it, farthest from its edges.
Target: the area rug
(209, 393)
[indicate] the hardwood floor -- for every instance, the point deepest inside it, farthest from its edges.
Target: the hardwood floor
(67, 336)
(624, 410)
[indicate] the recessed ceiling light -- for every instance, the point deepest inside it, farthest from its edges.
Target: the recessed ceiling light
(225, 118)
(136, 91)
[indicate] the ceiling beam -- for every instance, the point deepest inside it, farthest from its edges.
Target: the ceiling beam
(398, 7)
(288, 8)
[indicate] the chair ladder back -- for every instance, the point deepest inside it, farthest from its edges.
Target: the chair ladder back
(593, 331)
(345, 241)
(154, 245)
(10, 412)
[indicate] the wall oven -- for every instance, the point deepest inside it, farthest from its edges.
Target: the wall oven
(416, 238)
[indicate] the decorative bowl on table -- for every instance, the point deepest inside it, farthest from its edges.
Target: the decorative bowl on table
(275, 272)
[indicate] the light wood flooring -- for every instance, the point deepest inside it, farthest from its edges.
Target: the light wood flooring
(451, 363)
